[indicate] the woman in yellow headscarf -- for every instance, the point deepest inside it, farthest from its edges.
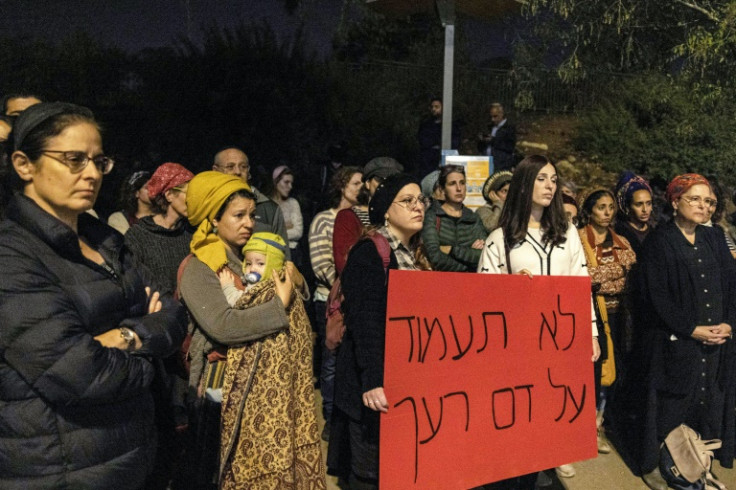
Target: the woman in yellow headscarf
(222, 207)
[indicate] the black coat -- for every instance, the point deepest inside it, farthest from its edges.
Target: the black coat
(360, 357)
(503, 146)
(74, 414)
(670, 309)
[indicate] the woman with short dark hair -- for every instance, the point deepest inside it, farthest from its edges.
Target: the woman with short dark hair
(81, 327)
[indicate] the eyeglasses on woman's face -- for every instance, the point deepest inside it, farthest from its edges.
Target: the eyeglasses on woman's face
(78, 160)
(411, 202)
(700, 201)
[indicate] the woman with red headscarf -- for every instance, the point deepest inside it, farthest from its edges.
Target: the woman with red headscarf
(688, 283)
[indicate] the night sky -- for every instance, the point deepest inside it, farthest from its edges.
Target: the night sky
(136, 24)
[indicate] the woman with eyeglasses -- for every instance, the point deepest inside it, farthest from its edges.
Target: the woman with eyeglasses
(535, 238)
(81, 326)
(453, 234)
(397, 211)
(688, 287)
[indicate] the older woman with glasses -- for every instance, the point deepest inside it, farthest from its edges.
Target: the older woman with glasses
(81, 327)
(453, 234)
(690, 291)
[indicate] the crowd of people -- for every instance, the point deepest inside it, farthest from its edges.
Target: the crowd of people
(174, 345)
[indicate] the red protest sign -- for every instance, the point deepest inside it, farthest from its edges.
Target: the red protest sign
(487, 377)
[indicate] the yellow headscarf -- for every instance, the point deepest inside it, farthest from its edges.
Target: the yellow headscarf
(206, 194)
(272, 246)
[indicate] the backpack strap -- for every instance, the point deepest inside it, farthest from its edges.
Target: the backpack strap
(383, 247)
(179, 273)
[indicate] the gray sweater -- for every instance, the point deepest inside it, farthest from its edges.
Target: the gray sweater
(218, 322)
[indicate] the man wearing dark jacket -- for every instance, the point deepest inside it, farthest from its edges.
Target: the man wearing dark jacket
(500, 140)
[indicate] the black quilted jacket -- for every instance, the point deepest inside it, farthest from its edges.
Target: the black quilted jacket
(74, 414)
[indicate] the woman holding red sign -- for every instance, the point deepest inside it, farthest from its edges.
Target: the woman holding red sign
(397, 211)
(534, 237)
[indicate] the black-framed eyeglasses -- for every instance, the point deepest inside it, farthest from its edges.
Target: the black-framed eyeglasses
(78, 160)
(414, 201)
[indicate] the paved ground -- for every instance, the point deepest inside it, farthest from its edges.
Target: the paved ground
(606, 472)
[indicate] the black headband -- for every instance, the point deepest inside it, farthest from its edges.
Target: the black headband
(37, 114)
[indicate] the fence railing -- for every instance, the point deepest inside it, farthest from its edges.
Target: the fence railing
(520, 89)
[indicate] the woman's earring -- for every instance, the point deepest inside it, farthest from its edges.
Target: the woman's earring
(214, 228)
(385, 221)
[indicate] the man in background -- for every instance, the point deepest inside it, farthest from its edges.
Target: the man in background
(500, 139)
(234, 161)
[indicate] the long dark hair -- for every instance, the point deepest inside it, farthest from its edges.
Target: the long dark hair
(518, 207)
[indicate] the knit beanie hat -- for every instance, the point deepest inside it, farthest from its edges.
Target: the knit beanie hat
(166, 177)
(206, 194)
(385, 195)
(495, 182)
(272, 246)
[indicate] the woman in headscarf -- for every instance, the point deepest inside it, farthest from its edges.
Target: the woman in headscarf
(161, 241)
(634, 199)
(396, 210)
(222, 207)
(688, 285)
(81, 328)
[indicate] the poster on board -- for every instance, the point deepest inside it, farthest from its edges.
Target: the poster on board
(477, 170)
(487, 377)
